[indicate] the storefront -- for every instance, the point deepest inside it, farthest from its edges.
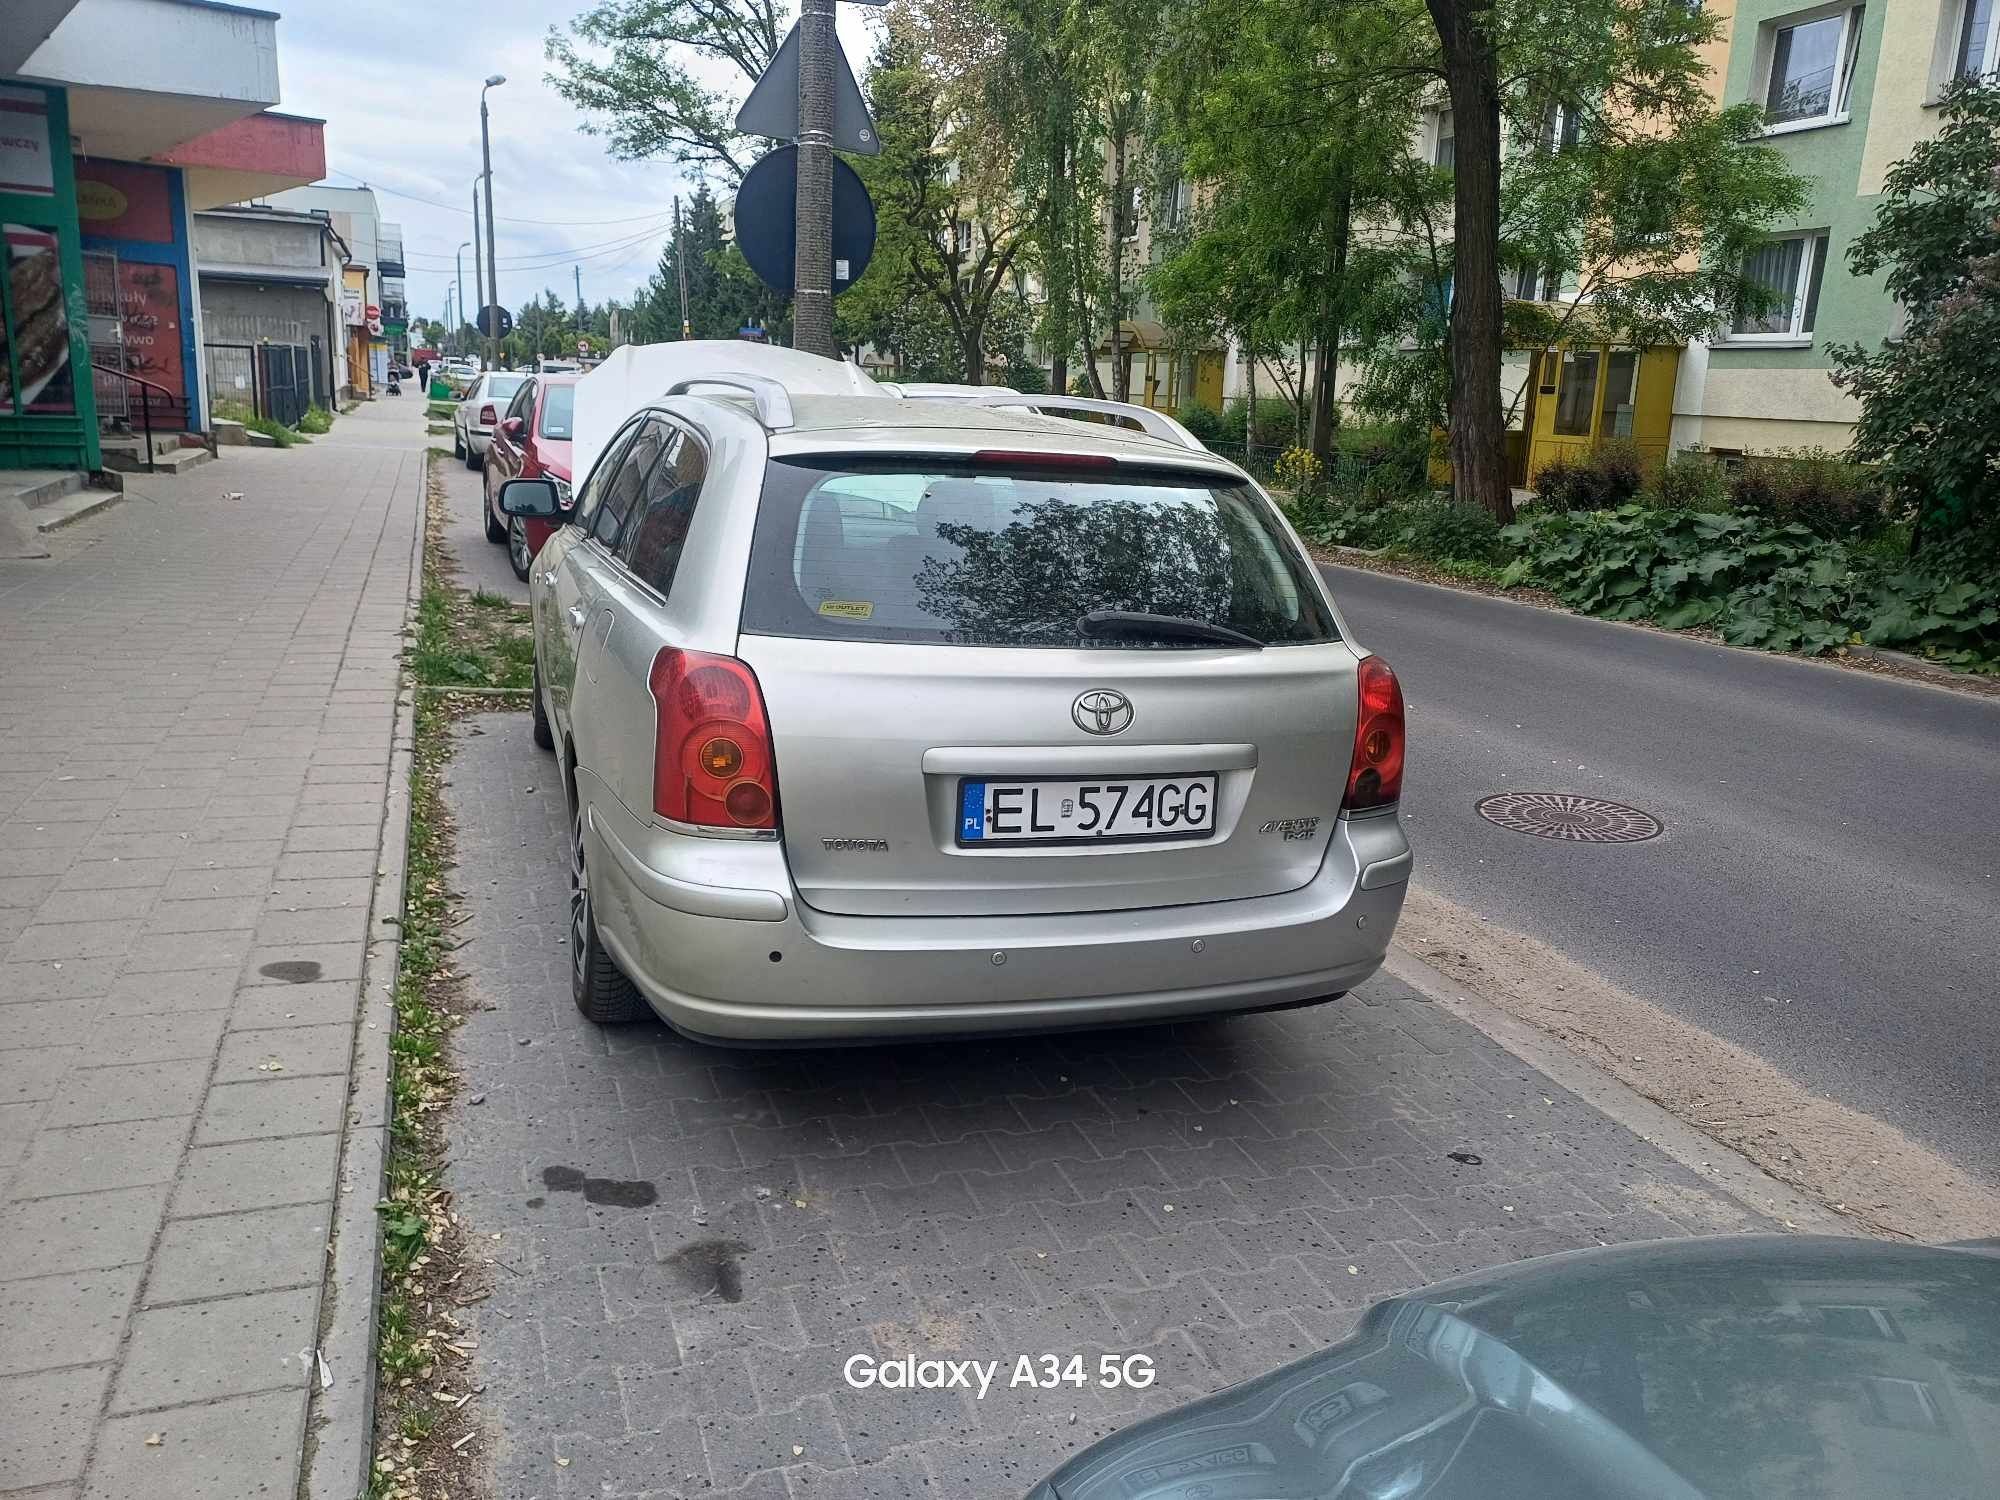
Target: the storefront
(139, 290)
(48, 418)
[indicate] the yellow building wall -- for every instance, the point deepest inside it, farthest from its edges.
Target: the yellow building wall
(1902, 110)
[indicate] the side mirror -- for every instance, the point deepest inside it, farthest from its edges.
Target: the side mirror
(530, 499)
(513, 427)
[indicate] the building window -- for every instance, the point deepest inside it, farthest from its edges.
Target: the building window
(1130, 211)
(1559, 128)
(961, 237)
(1576, 405)
(1907, 1404)
(1538, 284)
(1812, 68)
(1791, 269)
(1978, 50)
(1443, 142)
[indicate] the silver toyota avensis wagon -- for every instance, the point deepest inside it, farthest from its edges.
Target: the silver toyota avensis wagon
(890, 718)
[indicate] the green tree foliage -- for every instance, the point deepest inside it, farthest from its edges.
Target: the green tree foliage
(940, 291)
(644, 71)
(1930, 398)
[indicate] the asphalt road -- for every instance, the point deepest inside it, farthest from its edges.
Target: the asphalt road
(482, 564)
(1827, 889)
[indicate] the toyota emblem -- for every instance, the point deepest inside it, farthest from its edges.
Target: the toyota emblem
(1102, 711)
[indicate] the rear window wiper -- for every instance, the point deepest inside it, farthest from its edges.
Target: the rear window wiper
(1136, 622)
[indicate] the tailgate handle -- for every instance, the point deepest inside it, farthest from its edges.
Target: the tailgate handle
(1086, 760)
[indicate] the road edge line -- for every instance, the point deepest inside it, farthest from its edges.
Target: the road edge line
(1721, 1166)
(339, 1434)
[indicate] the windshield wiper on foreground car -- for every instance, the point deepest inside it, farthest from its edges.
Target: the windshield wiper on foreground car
(1136, 622)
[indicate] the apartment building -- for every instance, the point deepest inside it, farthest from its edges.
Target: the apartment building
(1847, 89)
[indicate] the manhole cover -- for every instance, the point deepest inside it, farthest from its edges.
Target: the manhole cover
(1558, 815)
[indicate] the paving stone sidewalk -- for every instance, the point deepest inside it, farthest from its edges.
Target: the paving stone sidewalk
(197, 695)
(693, 1241)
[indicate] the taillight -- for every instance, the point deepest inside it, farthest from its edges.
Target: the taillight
(488, 416)
(712, 760)
(1375, 775)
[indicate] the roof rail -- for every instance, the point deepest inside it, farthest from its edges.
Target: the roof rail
(1155, 424)
(773, 401)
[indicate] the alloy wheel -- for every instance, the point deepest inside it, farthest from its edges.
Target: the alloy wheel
(579, 902)
(517, 546)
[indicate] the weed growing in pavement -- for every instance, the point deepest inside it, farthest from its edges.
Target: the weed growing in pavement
(425, 1429)
(316, 420)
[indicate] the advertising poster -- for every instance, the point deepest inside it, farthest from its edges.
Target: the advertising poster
(37, 335)
(25, 163)
(149, 304)
(123, 200)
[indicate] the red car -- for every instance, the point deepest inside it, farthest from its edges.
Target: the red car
(530, 441)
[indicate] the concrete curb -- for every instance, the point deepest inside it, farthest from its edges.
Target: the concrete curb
(1723, 1168)
(340, 1420)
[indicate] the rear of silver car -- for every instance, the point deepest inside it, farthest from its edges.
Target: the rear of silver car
(1053, 732)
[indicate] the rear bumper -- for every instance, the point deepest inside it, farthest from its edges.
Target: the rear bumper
(747, 964)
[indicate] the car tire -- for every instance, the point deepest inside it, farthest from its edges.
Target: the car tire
(519, 558)
(545, 735)
(600, 988)
(457, 444)
(496, 527)
(472, 459)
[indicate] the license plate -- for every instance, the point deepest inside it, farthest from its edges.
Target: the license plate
(1110, 810)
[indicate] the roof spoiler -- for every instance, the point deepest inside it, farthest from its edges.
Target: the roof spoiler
(1154, 424)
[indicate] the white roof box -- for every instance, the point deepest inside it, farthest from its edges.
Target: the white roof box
(634, 375)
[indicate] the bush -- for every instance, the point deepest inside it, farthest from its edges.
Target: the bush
(316, 420)
(1448, 531)
(1277, 424)
(1298, 471)
(1206, 423)
(1604, 479)
(1691, 481)
(1816, 489)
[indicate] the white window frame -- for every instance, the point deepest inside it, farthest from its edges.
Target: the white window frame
(1847, 62)
(1818, 247)
(1437, 135)
(1950, 33)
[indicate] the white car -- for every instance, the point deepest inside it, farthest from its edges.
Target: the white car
(479, 413)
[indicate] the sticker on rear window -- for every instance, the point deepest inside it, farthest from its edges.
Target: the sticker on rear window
(846, 609)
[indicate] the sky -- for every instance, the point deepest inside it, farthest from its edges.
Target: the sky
(398, 86)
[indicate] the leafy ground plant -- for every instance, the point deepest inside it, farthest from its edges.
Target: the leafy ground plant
(426, 1427)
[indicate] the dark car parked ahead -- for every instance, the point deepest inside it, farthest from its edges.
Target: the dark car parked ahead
(530, 441)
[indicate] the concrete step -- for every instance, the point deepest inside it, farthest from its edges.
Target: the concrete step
(230, 434)
(259, 440)
(72, 507)
(128, 458)
(33, 487)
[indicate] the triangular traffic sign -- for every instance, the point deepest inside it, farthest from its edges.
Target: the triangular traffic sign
(773, 106)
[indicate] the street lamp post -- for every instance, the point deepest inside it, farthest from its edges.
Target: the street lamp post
(478, 280)
(451, 323)
(492, 267)
(459, 253)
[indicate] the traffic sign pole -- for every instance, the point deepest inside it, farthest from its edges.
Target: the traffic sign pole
(812, 269)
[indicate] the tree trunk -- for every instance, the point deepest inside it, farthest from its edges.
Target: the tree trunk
(1059, 375)
(1326, 366)
(1121, 375)
(1250, 409)
(1477, 429)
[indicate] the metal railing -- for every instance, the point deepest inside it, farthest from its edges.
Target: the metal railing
(147, 403)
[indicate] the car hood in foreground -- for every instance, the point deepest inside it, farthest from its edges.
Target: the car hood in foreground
(1741, 1368)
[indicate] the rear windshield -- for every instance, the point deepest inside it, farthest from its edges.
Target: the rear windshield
(925, 551)
(502, 387)
(558, 411)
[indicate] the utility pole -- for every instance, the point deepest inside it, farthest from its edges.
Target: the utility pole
(460, 253)
(492, 265)
(812, 264)
(478, 279)
(579, 288)
(681, 271)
